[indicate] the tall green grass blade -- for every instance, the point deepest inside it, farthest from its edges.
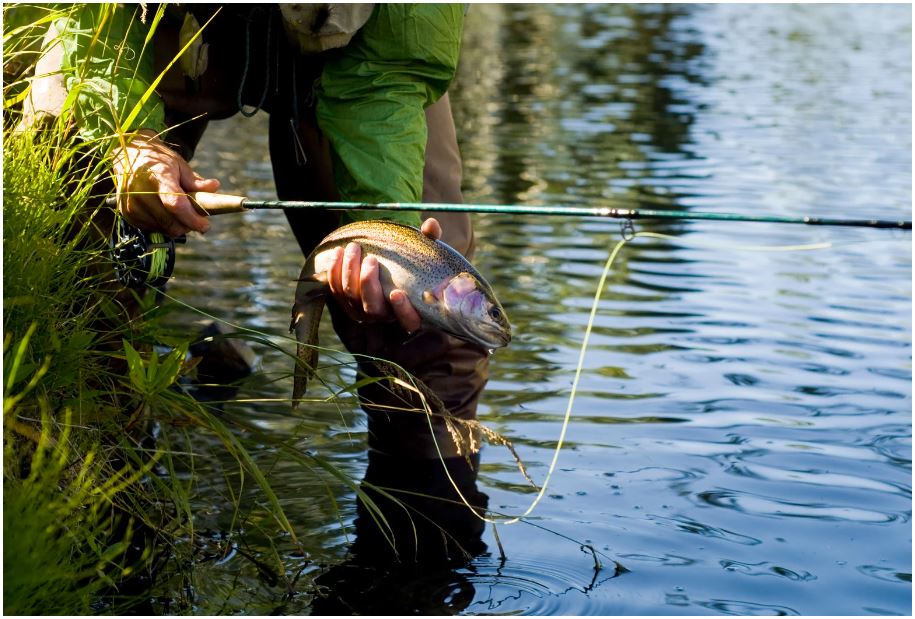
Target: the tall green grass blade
(127, 125)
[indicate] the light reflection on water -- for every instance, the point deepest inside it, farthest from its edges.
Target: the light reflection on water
(741, 440)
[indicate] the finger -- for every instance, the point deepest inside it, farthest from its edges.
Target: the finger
(334, 279)
(192, 181)
(352, 264)
(146, 213)
(137, 214)
(161, 218)
(432, 229)
(373, 302)
(404, 311)
(177, 203)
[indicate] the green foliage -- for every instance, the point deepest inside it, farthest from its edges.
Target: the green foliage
(80, 381)
(58, 551)
(153, 378)
(72, 495)
(62, 545)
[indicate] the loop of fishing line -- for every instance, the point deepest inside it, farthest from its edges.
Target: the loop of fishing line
(627, 229)
(628, 234)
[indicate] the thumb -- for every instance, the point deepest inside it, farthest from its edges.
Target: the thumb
(432, 228)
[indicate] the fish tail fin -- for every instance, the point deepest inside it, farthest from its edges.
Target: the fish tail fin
(306, 316)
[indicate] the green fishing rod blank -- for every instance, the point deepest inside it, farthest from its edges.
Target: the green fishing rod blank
(577, 211)
(140, 258)
(216, 204)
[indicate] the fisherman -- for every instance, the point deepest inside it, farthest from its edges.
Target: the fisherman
(359, 111)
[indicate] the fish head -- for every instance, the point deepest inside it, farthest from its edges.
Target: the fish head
(474, 313)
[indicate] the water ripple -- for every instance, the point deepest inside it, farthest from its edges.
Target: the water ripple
(530, 587)
(765, 506)
(669, 560)
(819, 478)
(887, 574)
(688, 525)
(737, 607)
(765, 568)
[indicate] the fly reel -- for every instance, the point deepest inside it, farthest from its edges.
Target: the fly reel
(142, 258)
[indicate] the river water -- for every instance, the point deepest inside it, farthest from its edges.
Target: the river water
(741, 436)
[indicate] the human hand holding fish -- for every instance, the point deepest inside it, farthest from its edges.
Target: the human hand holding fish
(445, 290)
(356, 285)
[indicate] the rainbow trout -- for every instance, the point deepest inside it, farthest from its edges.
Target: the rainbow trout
(447, 292)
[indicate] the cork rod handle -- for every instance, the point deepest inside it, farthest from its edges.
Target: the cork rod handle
(217, 203)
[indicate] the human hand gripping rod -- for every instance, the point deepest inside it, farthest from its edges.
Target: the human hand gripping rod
(148, 258)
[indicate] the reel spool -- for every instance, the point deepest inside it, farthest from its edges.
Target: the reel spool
(141, 258)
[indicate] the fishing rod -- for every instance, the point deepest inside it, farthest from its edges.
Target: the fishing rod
(141, 258)
(216, 204)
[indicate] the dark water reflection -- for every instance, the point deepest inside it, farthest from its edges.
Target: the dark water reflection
(741, 440)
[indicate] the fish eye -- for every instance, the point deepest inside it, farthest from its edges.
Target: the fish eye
(495, 314)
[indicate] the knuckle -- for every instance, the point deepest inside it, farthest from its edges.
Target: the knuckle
(168, 199)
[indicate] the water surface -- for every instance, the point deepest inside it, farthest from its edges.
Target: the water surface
(741, 437)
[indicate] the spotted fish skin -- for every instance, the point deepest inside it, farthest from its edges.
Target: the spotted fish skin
(446, 290)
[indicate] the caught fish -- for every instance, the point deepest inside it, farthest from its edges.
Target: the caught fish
(446, 290)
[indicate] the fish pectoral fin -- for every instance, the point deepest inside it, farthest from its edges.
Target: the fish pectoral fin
(429, 297)
(296, 317)
(305, 295)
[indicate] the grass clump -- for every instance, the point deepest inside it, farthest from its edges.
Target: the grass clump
(92, 506)
(66, 531)
(62, 552)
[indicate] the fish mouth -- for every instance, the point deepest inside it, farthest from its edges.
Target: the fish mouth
(483, 335)
(493, 339)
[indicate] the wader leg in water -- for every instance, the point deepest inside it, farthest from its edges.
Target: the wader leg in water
(402, 452)
(454, 370)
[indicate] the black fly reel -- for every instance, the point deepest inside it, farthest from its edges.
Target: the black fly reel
(141, 258)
